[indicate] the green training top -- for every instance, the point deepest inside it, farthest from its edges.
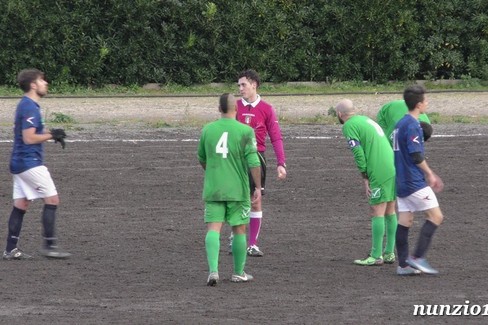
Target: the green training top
(372, 151)
(392, 112)
(228, 148)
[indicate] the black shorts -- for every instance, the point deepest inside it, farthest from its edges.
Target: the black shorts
(262, 159)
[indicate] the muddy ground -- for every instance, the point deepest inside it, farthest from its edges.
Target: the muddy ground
(131, 214)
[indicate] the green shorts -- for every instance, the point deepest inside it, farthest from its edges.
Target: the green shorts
(382, 193)
(235, 213)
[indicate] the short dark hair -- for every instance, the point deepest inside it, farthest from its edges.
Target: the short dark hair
(28, 76)
(251, 75)
(224, 103)
(414, 95)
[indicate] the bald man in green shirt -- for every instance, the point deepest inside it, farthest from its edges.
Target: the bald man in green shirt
(227, 152)
(375, 160)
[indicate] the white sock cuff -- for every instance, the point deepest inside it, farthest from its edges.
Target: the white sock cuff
(256, 214)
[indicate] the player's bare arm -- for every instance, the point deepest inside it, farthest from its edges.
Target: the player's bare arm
(256, 176)
(29, 136)
(434, 181)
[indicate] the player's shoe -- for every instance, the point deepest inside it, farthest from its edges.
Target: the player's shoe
(213, 278)
(16, 254)
(370, 261)
(407, 270)
(254, 251)
(244, 277)
(389, 258)
(421, 264)
(54, 252)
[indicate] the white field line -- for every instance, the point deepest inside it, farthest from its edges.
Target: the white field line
(434, 136)
(195, 140)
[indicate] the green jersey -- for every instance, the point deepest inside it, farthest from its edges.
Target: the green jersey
(372, 151)
(228, 149)
(391, 113)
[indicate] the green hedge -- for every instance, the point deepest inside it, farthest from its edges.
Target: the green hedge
(132, 42)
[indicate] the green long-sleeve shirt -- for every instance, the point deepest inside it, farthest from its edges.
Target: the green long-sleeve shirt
(372, 151)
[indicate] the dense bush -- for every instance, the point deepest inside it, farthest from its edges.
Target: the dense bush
(97, 42)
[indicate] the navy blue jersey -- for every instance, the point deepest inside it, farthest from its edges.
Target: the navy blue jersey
(26, 156)
(407, 139)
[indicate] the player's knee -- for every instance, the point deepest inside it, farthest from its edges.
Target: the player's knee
(405, 219)
(406, 223)
(240, 229)
(21, 204)
(435, 216)
(436, 219)
(53, 200)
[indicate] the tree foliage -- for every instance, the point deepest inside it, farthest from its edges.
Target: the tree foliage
(97, 42)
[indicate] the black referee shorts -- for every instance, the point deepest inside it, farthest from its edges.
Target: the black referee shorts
(262, 159)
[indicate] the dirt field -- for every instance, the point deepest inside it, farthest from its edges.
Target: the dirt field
(131, 214)
(180, 109)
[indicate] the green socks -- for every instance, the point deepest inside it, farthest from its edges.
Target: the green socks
(239, 252)
(378, 231)
(212, 246)
(380, 226)
(391, 223)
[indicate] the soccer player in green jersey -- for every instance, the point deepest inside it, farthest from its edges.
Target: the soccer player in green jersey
(394, 111)
(227, 152)
(374, 158)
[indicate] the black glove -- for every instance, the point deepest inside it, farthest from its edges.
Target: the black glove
(63, 144)
(427, 130)
(58, 136)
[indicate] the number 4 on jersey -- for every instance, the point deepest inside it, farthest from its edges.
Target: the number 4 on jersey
(221, 147)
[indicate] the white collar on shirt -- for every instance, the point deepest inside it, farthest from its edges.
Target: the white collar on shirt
(253, 104)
